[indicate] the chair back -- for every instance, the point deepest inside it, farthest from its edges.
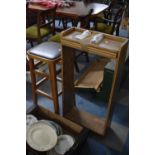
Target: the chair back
(108, 12)
(118, 18)
(31, 17)
(84, 20)
(46, 18)
(119, 14)
(106, 1)
(113, 19)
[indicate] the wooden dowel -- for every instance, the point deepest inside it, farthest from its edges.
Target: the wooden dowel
(40, 82)
(41, 73)
(40, 92)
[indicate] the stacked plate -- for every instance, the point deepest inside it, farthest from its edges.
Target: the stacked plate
(41, 136)
(54, 125)
(46, 135)
(30, 119)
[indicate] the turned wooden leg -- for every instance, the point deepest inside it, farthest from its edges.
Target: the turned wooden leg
(33, 80)
(53, 85)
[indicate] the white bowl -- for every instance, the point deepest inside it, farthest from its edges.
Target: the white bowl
(65, 142)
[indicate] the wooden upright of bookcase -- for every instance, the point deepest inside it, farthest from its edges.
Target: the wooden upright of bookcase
(111, 47)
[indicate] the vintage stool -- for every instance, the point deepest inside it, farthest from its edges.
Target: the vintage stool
(49, 53)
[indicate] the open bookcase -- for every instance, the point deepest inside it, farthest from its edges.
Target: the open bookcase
(111, 47)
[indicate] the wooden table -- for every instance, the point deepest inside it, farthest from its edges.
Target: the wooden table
(79, 9)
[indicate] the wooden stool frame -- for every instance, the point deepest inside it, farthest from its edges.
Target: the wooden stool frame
(52, 78)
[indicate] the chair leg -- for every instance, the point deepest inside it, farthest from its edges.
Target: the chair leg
(53, 84)
(117, 31)
(59, 22)
(125, 73)
(87, 57)
(64, 23)
(33, 80)
(76, 66)
(31, 43)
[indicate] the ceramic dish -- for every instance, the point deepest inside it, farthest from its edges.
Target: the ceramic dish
(30, 119)
(41, 137)
(65, 142)
(57, 126)
(46, 122)
(52, 152)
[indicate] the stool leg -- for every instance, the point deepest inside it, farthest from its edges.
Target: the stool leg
(76, 66)
(87, 57)
(53, 84)
(33, 80)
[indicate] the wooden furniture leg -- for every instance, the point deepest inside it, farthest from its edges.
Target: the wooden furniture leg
(33, 79)
(53, 85)
(68, 96)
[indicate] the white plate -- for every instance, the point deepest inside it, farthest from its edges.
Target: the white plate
(65, 142)
(55, 126)
(41, 136)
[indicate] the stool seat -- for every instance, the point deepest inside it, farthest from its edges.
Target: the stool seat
(48, 50)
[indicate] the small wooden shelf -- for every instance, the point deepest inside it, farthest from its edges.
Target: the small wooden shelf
(93, 76)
